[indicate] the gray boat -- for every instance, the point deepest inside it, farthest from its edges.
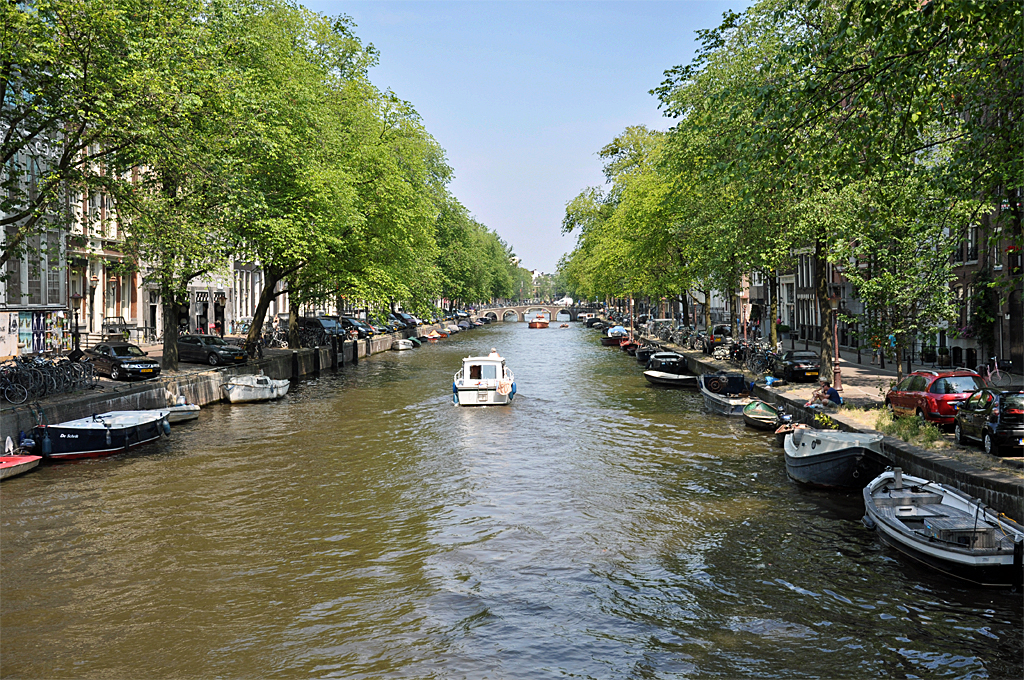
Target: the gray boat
(725, 393)
(828, 458)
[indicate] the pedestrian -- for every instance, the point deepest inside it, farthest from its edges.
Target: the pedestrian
(220, 329)
(826, 396)
(876, 350)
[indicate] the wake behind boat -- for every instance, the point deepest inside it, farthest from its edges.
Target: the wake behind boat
(945, 529)
(832, 459)
(484, 381)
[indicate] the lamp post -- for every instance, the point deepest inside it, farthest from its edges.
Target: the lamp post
(77, 298)
(834, 301)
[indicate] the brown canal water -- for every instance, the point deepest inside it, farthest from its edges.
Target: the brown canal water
(366, 528)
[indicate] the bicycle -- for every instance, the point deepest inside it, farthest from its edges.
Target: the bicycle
(995, 377)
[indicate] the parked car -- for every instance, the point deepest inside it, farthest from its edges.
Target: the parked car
(994, 418)
(356, 328)
(122, 361)
(325, 323)
(933, 395)
(209, 349)
(396, 322)
(719, 335)
(409, 320)
(798, 364)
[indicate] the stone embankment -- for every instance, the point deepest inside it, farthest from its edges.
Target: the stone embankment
(201, 386)
(1001, 489)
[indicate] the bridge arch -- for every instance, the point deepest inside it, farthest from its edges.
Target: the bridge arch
(507, 313)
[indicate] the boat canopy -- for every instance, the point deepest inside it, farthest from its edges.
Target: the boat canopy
(483, 368)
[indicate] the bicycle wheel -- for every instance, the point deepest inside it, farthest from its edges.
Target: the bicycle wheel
(15, 393)
(1000, 379)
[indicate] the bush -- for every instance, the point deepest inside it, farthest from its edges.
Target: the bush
(907, 428)
(782, 328)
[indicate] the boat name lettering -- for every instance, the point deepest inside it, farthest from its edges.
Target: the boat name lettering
(69, 436)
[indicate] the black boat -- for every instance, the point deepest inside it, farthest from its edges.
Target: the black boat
(99, 435)
(827, 458)
(643, 354)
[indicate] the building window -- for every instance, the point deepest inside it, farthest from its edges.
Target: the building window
(972, 244)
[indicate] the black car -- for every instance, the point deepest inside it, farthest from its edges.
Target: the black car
(209, 349)
(396, 322)
(798, 364)
(356, 327)
(316, 324)
(122, 361)
(994, 418)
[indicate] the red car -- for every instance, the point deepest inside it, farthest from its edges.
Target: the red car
(933, 395)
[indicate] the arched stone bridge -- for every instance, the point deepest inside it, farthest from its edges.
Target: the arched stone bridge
(520, 312)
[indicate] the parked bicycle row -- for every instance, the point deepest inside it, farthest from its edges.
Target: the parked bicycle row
(37, 377)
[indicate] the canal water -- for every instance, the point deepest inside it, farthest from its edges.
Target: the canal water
(364, 527)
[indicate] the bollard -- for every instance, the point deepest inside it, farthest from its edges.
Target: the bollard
(334, 352)
(316, 360)
(295, 364)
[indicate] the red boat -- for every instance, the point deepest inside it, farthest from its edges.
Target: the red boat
(15, 465)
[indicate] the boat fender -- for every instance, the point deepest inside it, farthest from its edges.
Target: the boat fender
(108, 433)
(1018, 564)
(165, 426)
(47, 443)
(868, 522)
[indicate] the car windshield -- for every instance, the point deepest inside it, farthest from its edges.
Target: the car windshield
(127, 351)
(957, 384)
(328, 323)
(214, 341)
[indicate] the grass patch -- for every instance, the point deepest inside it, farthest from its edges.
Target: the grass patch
(908, 428)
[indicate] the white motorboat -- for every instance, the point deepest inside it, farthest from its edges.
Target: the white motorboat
(180, 411)
(484, 381)
(828, 458)
(401, 345)
(248, 388)
(945, 529)
(725, 394)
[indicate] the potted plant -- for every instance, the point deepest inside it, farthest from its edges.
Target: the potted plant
(943, 356)
(783, 331)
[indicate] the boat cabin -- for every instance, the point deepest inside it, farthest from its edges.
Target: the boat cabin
(479, 369)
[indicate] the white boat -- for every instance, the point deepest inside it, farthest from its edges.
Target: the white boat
(663, 379)
(484, 381)
(401, 345)
(828, 458)
(452, 329)
(246, 388)
(725, 394)
(180, 413)
(945, 529)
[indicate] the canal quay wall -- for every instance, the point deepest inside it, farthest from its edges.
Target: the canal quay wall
(998, 490)
(199, 387)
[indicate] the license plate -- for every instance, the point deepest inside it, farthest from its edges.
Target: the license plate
(811, 373)
(146, 370)
(239, 357)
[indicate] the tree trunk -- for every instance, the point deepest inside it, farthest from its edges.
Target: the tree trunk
(171, 309)
(773, 313)
(707, 310)
(270, 282)
(293, 328)
(821, 293)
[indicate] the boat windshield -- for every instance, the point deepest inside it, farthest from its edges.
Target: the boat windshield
(483, 372)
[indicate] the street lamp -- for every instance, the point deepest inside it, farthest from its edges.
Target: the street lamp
(834, 302)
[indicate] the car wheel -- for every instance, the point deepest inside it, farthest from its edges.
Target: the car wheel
(888, 407)
(990, 446)
(920, 417)
(115, 373)
(958, 435)
(213, 359)
(787, 374)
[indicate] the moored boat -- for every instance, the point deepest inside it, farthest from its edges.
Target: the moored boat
(785, 429)
(643, 354)
(724, 393)
(662, 379)
(760, 415)
(251, 388)
(180, 413)
(401, 345)
(828, 458)
(484, 381)
(98, 435)
(945, 529)
(613, 336)
(16, 461)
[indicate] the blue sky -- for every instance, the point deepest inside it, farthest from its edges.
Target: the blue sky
(522, 95)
